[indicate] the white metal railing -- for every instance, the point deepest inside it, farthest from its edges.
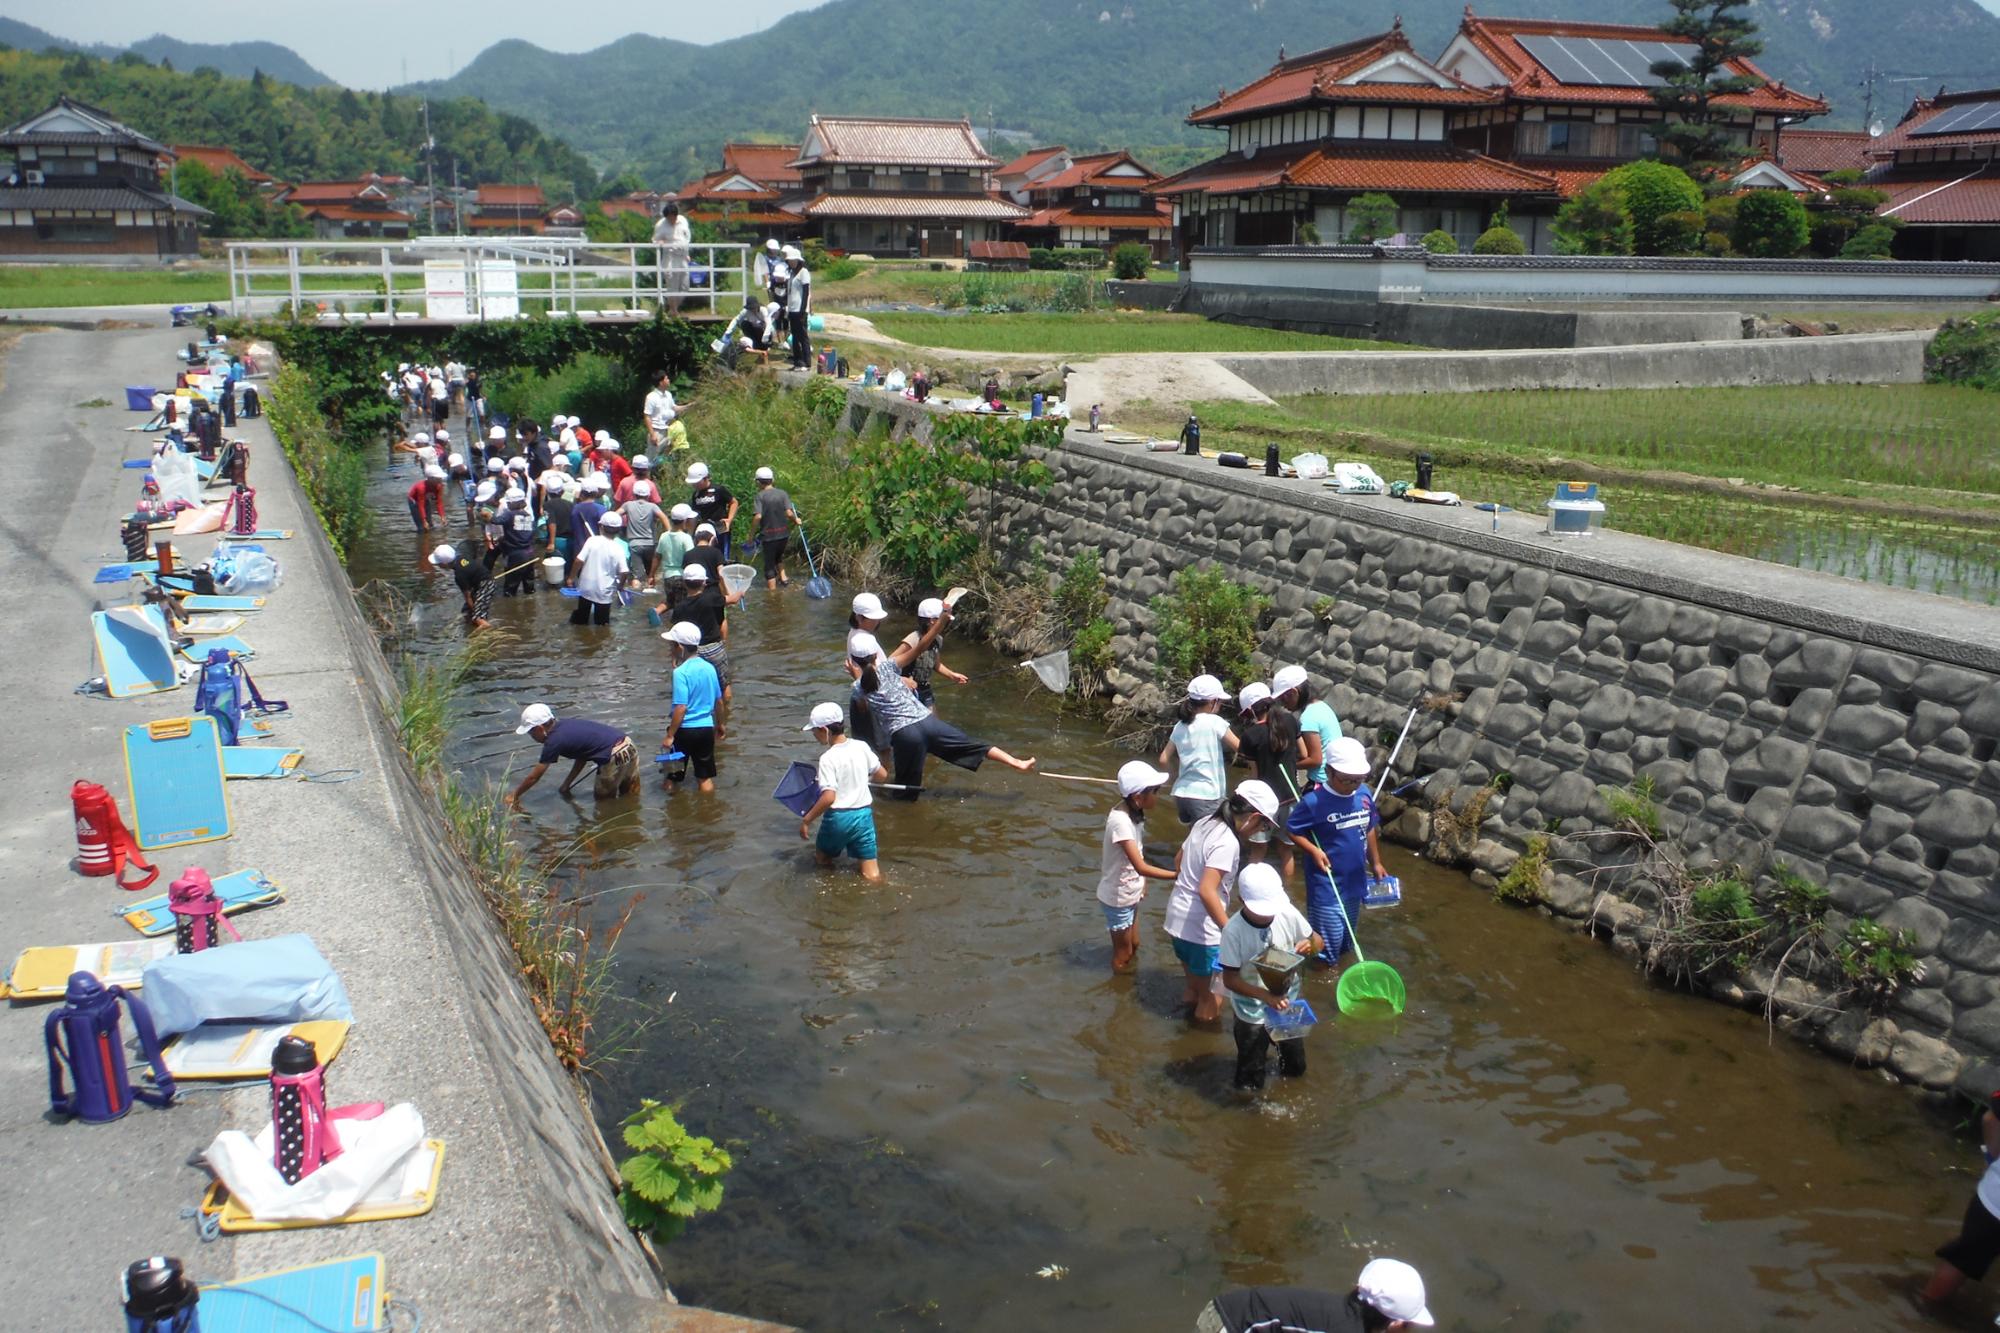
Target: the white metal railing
(470, 279)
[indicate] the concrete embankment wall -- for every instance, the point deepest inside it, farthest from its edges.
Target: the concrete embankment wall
(1884, 358)
(1845, 730)
(1463, 327)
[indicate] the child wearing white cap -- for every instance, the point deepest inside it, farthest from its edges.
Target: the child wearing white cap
(1387, 1298)
(712, 504)
(675, 543)
(929, 663)
(1200, 745)
(1335, 825)
(472, 579)
(694, 726)
(912, 731)
(774, 518)
(1121, 883)
(1291, 689)
(1198, 907)
(845, 807)
(1266, 920)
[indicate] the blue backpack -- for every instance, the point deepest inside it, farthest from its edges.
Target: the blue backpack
(223, 690)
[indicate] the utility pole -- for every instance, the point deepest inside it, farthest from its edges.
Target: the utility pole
(430, 166)
(1868, 94)
(457, 203)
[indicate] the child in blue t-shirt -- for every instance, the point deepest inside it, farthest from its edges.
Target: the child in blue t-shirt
(1335, 826)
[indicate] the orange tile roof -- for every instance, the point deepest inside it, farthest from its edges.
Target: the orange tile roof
(1029, 160)
(1573, 181)
(520, 224)
(976, 207)
(1498, 39)
(510, 196)
(1161, 220)
(1924, 111)
(743, 218)
(1826, 150)
(1947, 198)
(330, 192)
(898, 141)
(765, 163)
(1439, 169)
(219, 160)
(344, 213)
(1317, 77)
(705, 187)
(1090, 171)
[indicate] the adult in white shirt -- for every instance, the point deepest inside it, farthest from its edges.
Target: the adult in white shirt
(661, 409)
(798, 308)
(674, 237)
(1267, 921)
(1198, 907)
(600, 570)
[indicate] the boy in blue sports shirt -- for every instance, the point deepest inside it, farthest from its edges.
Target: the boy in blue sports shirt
(697, 690)
(1335, 825)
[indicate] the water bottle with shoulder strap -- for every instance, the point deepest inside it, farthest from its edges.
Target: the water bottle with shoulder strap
(303, 1135)
(84, 1036)
(240, 515)
(223, 690)
(104, 846)
(197, 910)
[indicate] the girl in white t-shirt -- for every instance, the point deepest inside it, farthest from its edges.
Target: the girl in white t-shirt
(1122, 883)
(1200, 745)
(846, 767)
(1198, 907)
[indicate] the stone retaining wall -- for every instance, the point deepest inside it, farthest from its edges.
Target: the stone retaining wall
(1846, 730)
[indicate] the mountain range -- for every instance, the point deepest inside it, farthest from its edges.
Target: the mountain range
(236, 59)
(1098, 73)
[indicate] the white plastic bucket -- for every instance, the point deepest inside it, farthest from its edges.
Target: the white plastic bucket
(553, 570)
(738, 578)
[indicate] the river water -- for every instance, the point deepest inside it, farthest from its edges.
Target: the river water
(947, 1115)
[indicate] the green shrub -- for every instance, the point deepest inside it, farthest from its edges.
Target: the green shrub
(335, 476)
(1440, 242)
(1130, 261)
(1523, 880)
(1370, 217)
(1770, 224)
(1966, 351)
(1078, 257)
(1655, 192)
(1680, 233)
(671, 1177)
(1876, 960)
(1872, 240)
(1595, 222)
(1080, 596)
(1499, 240)
(1090, 651)
(1041, 257)
(1633, 808)
(1831, 232)
(1207, 623)
(1308, 233)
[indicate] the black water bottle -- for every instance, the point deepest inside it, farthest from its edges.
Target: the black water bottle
(293, 1058)
(1270, 460)
(1191, 436)
(159, 1298)
(1424, 464)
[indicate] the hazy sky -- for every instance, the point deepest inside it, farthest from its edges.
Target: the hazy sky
(349, 40)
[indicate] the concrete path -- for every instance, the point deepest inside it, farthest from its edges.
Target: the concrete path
(83, 1201)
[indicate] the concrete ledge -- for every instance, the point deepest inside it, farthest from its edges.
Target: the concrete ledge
(1879, 358)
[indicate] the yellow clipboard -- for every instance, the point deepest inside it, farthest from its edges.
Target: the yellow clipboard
(231, 1216)
(43, 973)
(236, 1051)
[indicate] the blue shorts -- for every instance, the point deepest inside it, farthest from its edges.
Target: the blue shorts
(1198, 959)
(1119, 918)
(848, 831)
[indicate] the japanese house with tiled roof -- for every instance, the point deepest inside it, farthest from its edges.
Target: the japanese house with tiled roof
(747, 195)
(1524, 112)
(1940, 167)
(85, 184)
(1321, 128)
(899, 187)
(1099, 200)
(221, 161)
(363, 209)
(517, 210)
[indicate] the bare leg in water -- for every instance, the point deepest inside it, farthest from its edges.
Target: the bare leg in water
(1000, 756)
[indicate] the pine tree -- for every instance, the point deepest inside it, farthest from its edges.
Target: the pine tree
(1697, 131)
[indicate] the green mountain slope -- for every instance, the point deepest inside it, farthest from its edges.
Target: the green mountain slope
(237, 59)
(1093, 73)
(298, 133)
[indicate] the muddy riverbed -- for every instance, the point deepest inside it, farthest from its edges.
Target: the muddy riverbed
(947, 1115)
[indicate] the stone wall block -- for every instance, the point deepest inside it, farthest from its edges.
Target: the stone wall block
(1335, 577)
(1693, 625)
(1885, 825)
(1652, 677)
(1956, 818)
(1570, 796)
(1607, 661)
(1928, 1008)
(1974, 862)
(1861, 690)
(1770, 808)
(1511, 722)
(1647, 621)
(1750, 676)
(1856, 896)
(1809, 712)
(1924, 1060)
(1513, 628)
(1551, 638)
(1728, 706)
(1600, 632)
(1864, 728)
(1822, 662)
(1525, 587)
(1487, 667)
(1942, 763)
(1948, 684)
(1901, 791)
(1611, 601)
(1700, 728)
(1982, 714)
(1924, 921)
(1894, 670)
(1710, 769)
(1772, 762)
(1847, 772)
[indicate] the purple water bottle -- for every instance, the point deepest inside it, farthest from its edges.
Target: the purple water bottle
(159, 1298)
(85, 1038)
(293, 1064)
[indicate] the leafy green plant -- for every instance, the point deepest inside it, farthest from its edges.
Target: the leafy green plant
(1440, 242)
(1090, 651)
(1080, 596)
(1770, 224)
(1873, 240)
(1697, 129)
(1308, 233)
(1658, 195)
(1130, 261)
(1876, 960)
(1499, 240)
(1594, 222)
(335, 477)
(672, 1176)
(1523, 881)
(911, 496)
(1370, 217)
(1207, 623)
(1322, 610)
(1633, 809)
(1966, 351)
(95, 402)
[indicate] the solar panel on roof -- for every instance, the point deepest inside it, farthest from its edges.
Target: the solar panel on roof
(1604, 62)
(1963, 120)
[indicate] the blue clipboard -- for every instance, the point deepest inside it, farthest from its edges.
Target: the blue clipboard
(344, 1295)
(237, 893)
(174, 770)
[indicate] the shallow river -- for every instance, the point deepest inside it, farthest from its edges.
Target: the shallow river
(934, 1089)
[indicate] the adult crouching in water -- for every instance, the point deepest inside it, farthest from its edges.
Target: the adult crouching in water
(913, 731)
(1198, 907)
(584, 742)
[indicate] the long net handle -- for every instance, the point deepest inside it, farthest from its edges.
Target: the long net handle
(1345, 920)
(1390, 762)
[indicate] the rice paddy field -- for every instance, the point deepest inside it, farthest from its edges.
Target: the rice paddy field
(1892, 484)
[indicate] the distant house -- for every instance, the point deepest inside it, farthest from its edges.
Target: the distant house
(517, 210)
(84, 184)
(899, 187)
(1821, 151)
(222, 161)
(563, 220)
(748, 194)
(1099, 200)
(1009, 256)
(1940, 167)
(1036, 164)
(645, 203)
(361, 209)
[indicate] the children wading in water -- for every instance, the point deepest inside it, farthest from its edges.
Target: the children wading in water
(1200, 744)
(845, 805)
(1335, 827)
(1198, 908)
(1121, 885)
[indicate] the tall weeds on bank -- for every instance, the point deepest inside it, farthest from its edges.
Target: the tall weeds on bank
(565, 956)
(335, 477)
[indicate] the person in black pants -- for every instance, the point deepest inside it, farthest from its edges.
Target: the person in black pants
(798, 310)
(516, 550)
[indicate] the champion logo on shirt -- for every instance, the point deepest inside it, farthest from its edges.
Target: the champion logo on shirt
(1352, 819)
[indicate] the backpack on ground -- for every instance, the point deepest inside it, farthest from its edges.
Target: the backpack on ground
(226, 692)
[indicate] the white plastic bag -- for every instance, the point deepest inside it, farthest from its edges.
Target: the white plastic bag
(255, 575)
(378, 1157)
(1310, 466)
(176, 475)
(1356, 479)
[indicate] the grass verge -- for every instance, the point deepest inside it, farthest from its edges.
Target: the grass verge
(335, 478)
(1102, 333)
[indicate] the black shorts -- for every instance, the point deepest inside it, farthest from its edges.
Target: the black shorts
(774, 554)
(931, 735)
(698, 744)
(1977, 1244)
(441, 410)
